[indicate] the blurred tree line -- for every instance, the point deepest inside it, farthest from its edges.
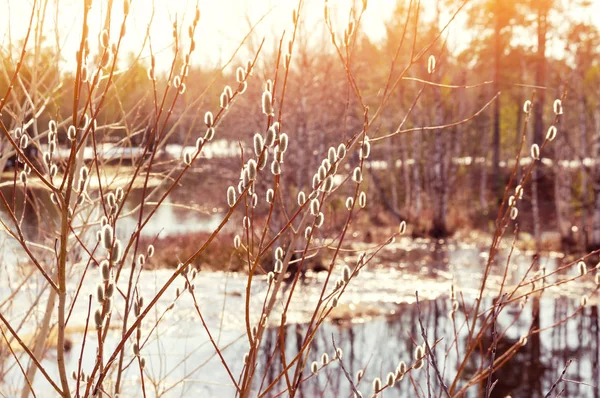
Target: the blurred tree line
(437, 179)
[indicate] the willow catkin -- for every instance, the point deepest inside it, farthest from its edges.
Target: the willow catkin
(558, 109)
(527, 106)
(535, 151)
(376, 384)
(316, 181)
(224, 100)
(314, 207)
(551, 134)
(314, 368)
(362, 200)
(270, 195)
(231, 196)
(431, 64)
(341, 151)
(391, 379)
(240, 74)
(209, 119)
(349, 203)
(357, 175)
(322, 172)
(187, 158)
(275, 168)
(72, 133)
(301, 198)
(331, 155)
(107, 236)
(319, 220)
(283, 142)
(259, 144)
(328, 184)
(252, 169)
(271, 136)
(267, 105)
(402, 228)
(308, 232)
(582, 268)
(365, 149)
(24, 141)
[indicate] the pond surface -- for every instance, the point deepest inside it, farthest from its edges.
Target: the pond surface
(374, 324)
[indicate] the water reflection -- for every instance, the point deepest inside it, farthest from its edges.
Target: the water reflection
(376, 328)
(378, 345)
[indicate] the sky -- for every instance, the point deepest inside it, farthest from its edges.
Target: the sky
(223, 23)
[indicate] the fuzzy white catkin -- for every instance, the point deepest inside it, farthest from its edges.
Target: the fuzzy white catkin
(316, 181)
(271, 136)
(402, 228)
(535, 151)
(519, 192)
(314, 207)
(275, 168)
(210, 133)
(322, 172)
(391, 378)
(267, 105)
(319, 220)
(187, 158)
(419, 352)
(308, 232)
(514, 212)
(301, 198)
(328, 184)
(227, 90)
(582, 267)
(209, 119)
(107, 236)
(558, 110)
(431, 64)
(527, 106)
(349, 203)
(332, 155)
(283, 142)
(259, 144)
(224, 100)
(365, 149)
(240, 74)
(237, 242)
(376, 384)
(252, 169)
(270, 195)
(551, 134)
(231, 196)
(314, 367)
(357, 175)
(72, 133)
(362, 200)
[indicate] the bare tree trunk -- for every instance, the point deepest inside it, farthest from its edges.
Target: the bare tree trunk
(538, 119)
(562, 189)
(405, 173)
(584, 172)
(440, 174)
(496, 135)
(485, 142)
(416, 175)
(595, 239)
